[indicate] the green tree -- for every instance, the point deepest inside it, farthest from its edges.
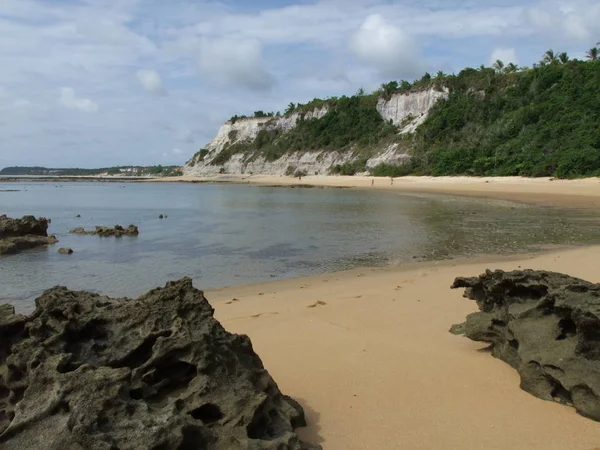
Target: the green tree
(563, 57)
(511, 68)
(440, 74)
(290, 108)
(549, 57)
(592, 54)
(498, 66)
(360, 92)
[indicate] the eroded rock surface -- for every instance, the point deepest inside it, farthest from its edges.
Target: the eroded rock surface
(116, 231)
(544, 324)
(159, 372)
(22, 234)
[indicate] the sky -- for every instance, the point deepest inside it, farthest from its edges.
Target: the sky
(96, 83)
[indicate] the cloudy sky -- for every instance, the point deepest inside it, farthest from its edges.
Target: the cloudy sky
(92, 83)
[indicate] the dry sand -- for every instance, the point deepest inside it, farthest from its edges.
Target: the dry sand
(583, 193)
(369, 356)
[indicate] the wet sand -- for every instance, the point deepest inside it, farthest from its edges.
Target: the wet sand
(369, 356)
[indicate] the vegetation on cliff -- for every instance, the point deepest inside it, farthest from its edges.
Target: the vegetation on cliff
(499, 120)
(543, 121)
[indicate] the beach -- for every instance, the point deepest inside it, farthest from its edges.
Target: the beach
(369, 356)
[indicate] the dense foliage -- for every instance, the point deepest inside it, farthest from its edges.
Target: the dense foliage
(541, 122)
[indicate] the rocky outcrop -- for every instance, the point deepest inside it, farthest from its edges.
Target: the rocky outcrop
(117, 231)
(22, 234)
(65, 251)
(411, 109)
(86, 371)
(547, 326)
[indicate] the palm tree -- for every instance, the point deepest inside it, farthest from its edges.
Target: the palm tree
(440, 74)
(482, 68)
(593, 54)
(511, 68)
(563, 57)
(498, 66)
(360, 92)
(549, 57)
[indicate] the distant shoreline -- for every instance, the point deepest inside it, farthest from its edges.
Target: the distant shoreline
(579, 193)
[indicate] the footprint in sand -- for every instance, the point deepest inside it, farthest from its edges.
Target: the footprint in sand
(358, 296)
(261, 293)
(256, 316)
(319, 303)
(233, 300)
(398, 288)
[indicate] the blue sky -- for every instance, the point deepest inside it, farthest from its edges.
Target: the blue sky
(93, 83)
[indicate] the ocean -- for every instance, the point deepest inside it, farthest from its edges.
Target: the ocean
(223, 235)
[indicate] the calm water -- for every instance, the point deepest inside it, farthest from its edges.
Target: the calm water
(226, 234)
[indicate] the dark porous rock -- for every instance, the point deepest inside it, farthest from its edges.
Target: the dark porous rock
(544, 324)
(65, 251)
(22, 234)
(117, 231)
(158, 372)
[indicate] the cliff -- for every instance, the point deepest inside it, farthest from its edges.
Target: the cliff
(404, 111)
(534, 122)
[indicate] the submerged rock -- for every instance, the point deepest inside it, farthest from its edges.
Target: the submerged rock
(544, 324)
(22, 234)
(116, 231)
(158, 372)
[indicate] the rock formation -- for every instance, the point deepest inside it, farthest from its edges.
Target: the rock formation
(116, 231)
(86, 371)
(22, 234)
(547, 326)
(65, 251)
(407, 110)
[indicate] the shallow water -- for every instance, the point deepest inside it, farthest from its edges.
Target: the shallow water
(230, 234)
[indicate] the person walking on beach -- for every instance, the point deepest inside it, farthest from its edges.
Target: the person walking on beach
(391, 181)
(372, 181)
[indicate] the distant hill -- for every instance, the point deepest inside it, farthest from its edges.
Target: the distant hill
(494, 121)
(162, 171)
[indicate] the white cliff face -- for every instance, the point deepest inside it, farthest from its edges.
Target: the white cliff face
(409, 110)
(247, 129)
(405, 110)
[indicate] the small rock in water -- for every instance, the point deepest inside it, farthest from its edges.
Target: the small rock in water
(65, 251)
(161, 216)
(78, 215)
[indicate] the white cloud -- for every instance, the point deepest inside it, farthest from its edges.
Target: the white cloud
(227, 62)
(506, 55)
(177, 151)
(151, 81)
(387, 48)
(69, 100)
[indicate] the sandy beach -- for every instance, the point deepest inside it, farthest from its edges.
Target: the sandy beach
(369, 356)
(583, 193)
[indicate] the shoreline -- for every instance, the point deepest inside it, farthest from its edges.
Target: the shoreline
(579, 193)
(368, 354)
